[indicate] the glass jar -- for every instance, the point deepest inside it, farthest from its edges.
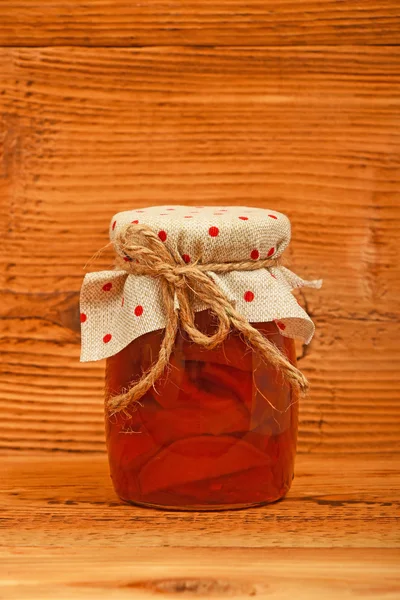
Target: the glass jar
(218, 430)
(195, 423)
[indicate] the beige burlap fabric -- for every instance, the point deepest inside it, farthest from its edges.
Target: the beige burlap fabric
(118, 307)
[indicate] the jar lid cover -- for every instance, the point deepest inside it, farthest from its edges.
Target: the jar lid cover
(118, 307)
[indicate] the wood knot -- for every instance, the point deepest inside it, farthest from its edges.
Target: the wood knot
(191, 587)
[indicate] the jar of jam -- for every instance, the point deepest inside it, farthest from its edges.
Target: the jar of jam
(197, 323)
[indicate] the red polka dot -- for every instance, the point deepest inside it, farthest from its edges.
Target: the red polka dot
(188, 217)
(281, 326)
(273, 216)
(249, 296)
(272, 275)
(255, 254)
(135, 222)
(83, 317)
(186, 258)
(244, 218)
(122, 301)
(140, 211)
(162, 235)
(271, 251)
(113, 225)
(107, 338)
(163, 214)
(107, 287)
(169, 209)
(138, 310)
(213, 231)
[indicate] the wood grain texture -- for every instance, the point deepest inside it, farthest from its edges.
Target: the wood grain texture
(63, 500)
(311, 132)
(220, 22)
(142, 573)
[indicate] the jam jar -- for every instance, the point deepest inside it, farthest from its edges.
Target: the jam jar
(215, 426)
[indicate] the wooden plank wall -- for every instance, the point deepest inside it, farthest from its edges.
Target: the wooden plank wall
(292, 105)
(194, 22)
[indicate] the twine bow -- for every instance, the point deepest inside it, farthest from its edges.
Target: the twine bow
(146, 254)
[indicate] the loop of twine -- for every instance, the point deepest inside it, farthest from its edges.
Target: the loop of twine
(148, 255)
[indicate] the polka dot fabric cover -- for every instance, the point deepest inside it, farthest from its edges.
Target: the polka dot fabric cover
(117, 307)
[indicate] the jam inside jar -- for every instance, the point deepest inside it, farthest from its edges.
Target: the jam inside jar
(217, 431)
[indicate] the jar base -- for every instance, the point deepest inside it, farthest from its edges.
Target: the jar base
(203, 507)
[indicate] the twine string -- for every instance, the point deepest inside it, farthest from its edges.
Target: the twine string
(148, 255)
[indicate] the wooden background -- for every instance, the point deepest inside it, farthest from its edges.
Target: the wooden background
(113, 105)
(107, 105)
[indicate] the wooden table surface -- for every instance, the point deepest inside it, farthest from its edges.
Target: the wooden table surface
(66, 535)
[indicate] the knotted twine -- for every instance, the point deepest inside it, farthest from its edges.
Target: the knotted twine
(145, 254)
